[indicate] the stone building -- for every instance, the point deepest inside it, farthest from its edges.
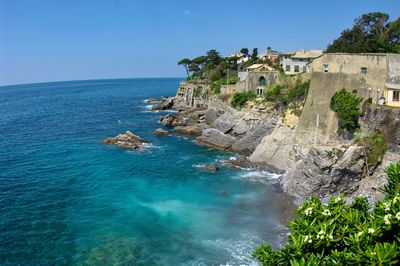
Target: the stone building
(256, 81)
(190, 93)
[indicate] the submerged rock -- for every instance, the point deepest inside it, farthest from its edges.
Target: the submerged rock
(160, 131)
(126, 140)
(210, 168)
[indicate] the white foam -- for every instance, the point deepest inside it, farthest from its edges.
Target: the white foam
(257, 176)
(239, 250)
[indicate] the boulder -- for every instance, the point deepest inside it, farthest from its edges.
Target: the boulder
(164, 103)
(247, 144)
(160, 131)
(172, 120)
(211, 115)
(126, 140)
(192, 130)
(214, 138)
(227, 121)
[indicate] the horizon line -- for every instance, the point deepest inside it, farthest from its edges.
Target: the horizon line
(77, 80)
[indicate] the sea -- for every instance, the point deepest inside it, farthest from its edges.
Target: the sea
(68, 199)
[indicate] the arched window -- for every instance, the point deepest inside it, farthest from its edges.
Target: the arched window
(262, 81)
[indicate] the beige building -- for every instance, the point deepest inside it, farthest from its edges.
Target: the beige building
(373, 76)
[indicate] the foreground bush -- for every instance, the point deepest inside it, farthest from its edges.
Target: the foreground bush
(240, 98)
(342, 234)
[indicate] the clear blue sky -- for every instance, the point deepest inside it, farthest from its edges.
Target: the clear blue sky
(47, 40)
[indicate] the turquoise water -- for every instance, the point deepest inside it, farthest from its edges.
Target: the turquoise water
(65, 198)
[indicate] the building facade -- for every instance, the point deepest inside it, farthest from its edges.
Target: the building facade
(375, 76)
(298, 62)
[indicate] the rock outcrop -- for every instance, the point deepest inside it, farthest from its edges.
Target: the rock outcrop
(172, 120)
(324, 172)
(164, 104)
(247, 144)
(127, 140)
(214, 138)
(275, 149)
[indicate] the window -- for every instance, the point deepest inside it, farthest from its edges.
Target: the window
(396, 96)
(364, 70)
(287, 68)
(259, 92)
(325, 68)
(262, 81)
(296, 68)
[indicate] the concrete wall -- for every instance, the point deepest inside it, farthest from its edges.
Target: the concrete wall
(322, 88)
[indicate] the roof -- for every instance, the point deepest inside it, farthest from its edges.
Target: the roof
(392, 86)
(308, 54)
(238, 55)
(259, 66)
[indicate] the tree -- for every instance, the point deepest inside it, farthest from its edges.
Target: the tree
(244, 51)
(369, 34)
(346, 106)
(213, 57)
(254, 54)
(185, 62)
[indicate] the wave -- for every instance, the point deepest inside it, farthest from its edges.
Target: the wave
(257, 176)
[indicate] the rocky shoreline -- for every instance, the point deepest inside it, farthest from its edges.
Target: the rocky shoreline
(266, 140)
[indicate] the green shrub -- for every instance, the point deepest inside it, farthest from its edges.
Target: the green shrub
(216, 87)
(298, 92)
(273, 93)
(375, 147)
(240, 98)
(343, 234)
(232, 80)
(346, 106)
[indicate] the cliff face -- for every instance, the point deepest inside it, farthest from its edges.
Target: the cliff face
(384, 119)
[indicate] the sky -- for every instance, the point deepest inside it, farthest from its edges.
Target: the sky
(47, 40)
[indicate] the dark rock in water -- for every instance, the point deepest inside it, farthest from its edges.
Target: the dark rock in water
(320, 173)
(210, 168)
(164, 103)
(247, 144)
(172, 120)
(214, 138)
(160, 131)
(151, 100)
(127, 140)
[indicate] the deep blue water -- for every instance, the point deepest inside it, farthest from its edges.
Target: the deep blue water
(65, 198)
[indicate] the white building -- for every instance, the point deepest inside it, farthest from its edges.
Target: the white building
(297, 62)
